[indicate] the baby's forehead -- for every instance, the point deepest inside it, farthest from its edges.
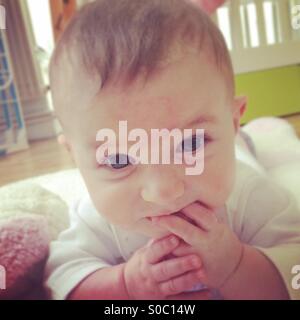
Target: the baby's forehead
(72, 86)
(147, 113)
(140, 110)
(161, 106)
(162, 101)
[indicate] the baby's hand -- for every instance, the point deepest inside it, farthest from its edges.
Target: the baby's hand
(148, 276)
(218, 247)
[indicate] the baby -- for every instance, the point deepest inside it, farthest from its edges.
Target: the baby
(150, 231)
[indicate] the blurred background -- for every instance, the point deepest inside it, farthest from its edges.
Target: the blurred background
(263, 37)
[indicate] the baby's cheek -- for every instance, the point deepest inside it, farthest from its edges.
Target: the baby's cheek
(217, 183)
(113, 206)
(224, 183)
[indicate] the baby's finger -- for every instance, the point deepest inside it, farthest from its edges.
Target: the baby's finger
(160, 248)
(183, 249)
(172, 268)
(198, 295)
(183, 229)
(181, 283)
(203, 217)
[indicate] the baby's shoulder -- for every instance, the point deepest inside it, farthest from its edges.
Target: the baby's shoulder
(245, 177)
(249, 185)
(255, 193)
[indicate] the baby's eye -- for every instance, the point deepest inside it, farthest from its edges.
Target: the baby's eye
(191, 144)
(118, 161)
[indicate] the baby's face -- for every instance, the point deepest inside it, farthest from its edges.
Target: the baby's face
(185, 91)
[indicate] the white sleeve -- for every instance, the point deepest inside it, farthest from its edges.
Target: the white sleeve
(270, 221)
(86, 246)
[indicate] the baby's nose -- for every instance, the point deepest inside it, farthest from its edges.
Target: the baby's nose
(163, 188)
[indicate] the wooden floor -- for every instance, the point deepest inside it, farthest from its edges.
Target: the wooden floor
(42, 157)
(48, 156)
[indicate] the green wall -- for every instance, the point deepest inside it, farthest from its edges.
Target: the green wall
(273, 92)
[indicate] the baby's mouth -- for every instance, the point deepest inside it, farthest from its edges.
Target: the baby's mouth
(177, 214)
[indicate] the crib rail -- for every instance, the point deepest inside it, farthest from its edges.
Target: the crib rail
(261, 34)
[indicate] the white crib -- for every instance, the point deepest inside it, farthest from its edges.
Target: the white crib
(261, 34)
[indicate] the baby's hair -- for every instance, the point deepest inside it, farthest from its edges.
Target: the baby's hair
(122, 39)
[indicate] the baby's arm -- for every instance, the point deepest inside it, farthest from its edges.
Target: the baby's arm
(255, 278)
(81, 250)
(103, 284)
(271, 226)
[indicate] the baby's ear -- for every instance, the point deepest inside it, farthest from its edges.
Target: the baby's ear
(239, 108)
(64, 142)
